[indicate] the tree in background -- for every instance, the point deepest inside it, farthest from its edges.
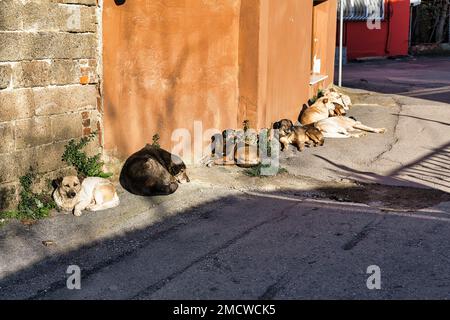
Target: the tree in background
(430, 21)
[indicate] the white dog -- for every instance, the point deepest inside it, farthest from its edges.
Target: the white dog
(92, 193)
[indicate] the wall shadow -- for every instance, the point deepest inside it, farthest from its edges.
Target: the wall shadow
(229, 219)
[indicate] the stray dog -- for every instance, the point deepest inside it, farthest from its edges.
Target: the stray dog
(236, 147)
(153, 171)
(92, 193)
(339, 110)
(297, 135)
(338, 98)
(344, 127)
(321, 109)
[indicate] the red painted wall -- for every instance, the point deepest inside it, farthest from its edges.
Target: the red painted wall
(390, 40)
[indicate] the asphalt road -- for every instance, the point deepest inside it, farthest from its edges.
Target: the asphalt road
(262, 246)
(426, 78)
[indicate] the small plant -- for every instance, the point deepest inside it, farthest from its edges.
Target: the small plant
(155, 141)
(31, 205)
(246, 125)
(319, 95)
(87, 166)
(256, 171)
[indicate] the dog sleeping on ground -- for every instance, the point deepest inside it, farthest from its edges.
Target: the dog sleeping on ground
(297, 135)
(76, 194)
(236, 147)
(153, 171)
(344, 127)
(338, 98)
(321, 109)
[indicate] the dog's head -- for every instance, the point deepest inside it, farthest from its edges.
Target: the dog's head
(69, 187)
(178, 169)
(182, 176)
(284, 126)
(326, 102)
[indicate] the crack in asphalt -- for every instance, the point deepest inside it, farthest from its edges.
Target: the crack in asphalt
(394, 134)
(274, 288)
(163, 282)
(360, 236)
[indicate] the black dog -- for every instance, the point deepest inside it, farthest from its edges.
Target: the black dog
(153, 171)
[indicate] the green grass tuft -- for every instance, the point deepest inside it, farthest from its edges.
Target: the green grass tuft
(86, 166)
(256, 171)
(31, 205)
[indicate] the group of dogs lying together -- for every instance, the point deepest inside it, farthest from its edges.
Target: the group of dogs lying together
(154, 171)
(325, 118)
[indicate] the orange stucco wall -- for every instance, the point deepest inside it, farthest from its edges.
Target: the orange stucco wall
(169, 63)
(285, 51)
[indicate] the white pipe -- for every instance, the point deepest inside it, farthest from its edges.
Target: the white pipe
(341, 39)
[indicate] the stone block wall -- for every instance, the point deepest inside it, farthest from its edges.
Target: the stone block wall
(49, 85)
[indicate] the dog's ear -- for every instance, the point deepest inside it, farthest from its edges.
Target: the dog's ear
(81, 178)
(304, 107)
(56, 183)
(277, 125)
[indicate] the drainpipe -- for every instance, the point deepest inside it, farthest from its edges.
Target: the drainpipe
(341, 39)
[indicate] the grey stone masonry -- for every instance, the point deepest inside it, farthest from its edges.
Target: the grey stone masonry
(49, 86)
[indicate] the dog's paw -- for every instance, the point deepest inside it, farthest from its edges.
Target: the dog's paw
(77, 213)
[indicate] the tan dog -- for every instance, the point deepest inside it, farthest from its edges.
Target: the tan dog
(92, 194)
(338, 98)
(297, 136)
(321, 109)
(344, 127)
(338, 111)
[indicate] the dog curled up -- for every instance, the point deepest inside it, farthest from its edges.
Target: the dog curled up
(298, 135)
(153, 171)
(75, 194)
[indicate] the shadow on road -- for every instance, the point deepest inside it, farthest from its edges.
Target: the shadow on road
(238, 246)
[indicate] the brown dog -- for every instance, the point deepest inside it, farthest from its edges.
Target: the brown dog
(321, 109)
(297, 135)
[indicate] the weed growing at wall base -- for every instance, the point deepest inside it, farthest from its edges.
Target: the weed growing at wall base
(256, 171)
(31, 205)
(87, 166)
